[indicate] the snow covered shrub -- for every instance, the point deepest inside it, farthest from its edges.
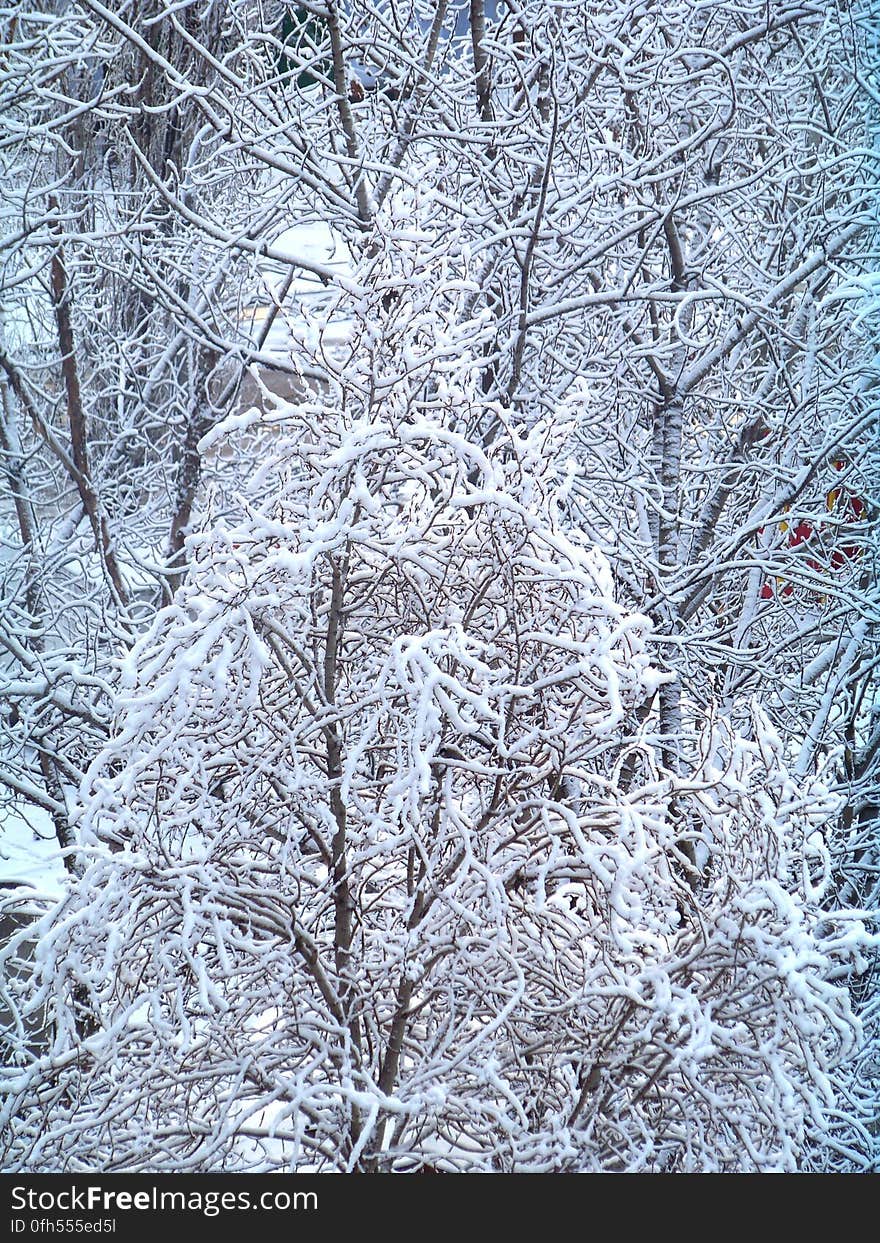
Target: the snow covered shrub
(370, 881)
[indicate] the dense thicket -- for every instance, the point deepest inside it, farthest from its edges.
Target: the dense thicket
(439, 582)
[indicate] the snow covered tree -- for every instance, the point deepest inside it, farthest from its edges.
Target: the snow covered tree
(362, 886)
(513, 722)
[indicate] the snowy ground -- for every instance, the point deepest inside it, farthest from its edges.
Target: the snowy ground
(322, 255)
(29, 851)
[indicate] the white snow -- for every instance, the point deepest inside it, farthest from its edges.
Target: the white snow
(29, 853)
